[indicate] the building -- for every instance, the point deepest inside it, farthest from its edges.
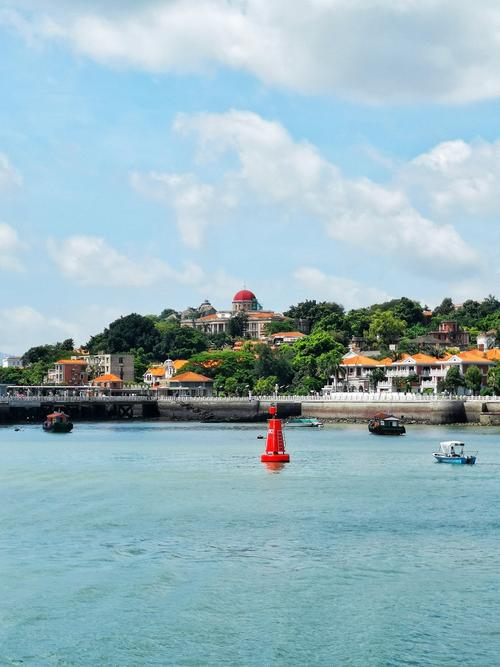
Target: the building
(158, 375)
(211, 321)
(426, 370)
(121, 365)
(486, 340)
(286, 337)
(188, 384)
(449, 334)
(108, 381)
(68, 372)
(12, 362)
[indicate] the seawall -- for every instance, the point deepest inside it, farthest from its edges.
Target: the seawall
(421, 412)
(432, 411)
(223, 411)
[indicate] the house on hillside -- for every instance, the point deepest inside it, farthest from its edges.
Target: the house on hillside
(426, 371)
(156, 376)
(211, 321)
(71, 372)
(108, 381)
(285, 337)
(188, 385)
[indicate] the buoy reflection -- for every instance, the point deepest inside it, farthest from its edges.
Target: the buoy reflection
(274, 468)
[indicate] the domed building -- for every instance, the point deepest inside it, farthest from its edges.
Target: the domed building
(245, 300)
(217, 321)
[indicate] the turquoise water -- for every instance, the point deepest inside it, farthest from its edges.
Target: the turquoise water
(171, 544)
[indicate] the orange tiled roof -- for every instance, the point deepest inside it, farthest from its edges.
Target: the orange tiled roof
(425, 358)
(473, 355)
(157, 371)
(419, 358)
(189, 376)
(212, 318)
(179, 363)
(107, 377)
(359, 360)
(77, 362)
(494, 354)
(386, 361)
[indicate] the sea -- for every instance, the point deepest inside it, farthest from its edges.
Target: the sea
(127, 544)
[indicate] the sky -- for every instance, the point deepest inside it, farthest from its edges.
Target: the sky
(158, 153)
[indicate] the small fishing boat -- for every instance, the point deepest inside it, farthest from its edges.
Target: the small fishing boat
(452, 451)
(57, 422)
(385, 424)
(304, 422)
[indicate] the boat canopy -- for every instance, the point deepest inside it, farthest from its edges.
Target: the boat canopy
(446, 446)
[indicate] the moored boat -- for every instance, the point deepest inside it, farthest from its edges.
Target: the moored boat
(452, 451)
(304, 422)
(57, 422)
(385, 424)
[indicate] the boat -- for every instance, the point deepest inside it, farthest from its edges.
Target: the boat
(57, 422)
(452, 451)
(385, 424)
(304, 421)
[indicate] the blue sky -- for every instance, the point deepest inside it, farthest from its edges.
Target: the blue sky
(158, 153)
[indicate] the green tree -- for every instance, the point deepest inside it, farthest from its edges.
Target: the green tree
(265, 386)
(453, 379)
(126, 333)
(385, 328)
(357, 322)
(312, 311)
(12, 376)
(494, 378)
(445, 308)
(473, 379)
(328, 364)
(277, 327)
(375, 376)
(49, 353)
(237, 325)
(176, 342)
(409, 311)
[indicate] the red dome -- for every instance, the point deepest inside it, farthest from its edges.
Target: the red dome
(244, 295)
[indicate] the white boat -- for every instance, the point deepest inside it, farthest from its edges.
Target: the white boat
(452, 451)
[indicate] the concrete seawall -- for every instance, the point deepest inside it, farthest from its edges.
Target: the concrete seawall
(223, 411)
(441, 411)
(423, 412)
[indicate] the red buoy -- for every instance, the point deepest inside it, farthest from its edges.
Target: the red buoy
(275, 443)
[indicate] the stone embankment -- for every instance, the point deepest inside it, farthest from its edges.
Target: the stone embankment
(356, 409)
(419, 412)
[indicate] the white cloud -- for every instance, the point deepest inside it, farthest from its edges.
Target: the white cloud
(349, 293)
(276, 169)
(197, 205)
(23, 326)
(457, 178)
(10, 246)
(89, 260)
(384, 51)
(9, 176)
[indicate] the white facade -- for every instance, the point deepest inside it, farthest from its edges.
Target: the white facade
(12, 362)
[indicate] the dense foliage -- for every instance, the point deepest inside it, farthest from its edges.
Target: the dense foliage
(391, 328)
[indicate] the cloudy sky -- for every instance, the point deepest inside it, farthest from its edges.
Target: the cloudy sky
(156, 153)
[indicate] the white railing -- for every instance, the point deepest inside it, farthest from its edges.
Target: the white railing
(346, 397)
(76, 399)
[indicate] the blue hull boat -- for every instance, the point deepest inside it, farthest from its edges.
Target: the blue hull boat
(452, 451)
(469, 460)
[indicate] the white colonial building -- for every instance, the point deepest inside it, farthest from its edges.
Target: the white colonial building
(213, 321)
